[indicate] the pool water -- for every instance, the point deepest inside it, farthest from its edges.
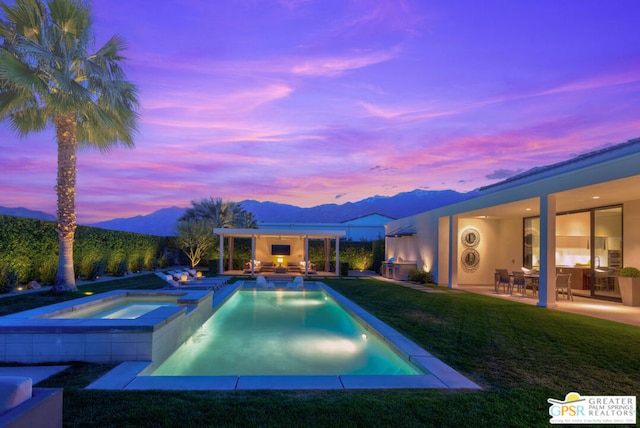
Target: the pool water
(283, 332)
(126, 308)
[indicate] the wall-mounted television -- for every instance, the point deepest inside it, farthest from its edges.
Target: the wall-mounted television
(281, 250)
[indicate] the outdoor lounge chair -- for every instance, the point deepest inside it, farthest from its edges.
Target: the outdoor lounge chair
(312, 267)
(261, 282)
(298, 283)
(257, 266)
(171, 282)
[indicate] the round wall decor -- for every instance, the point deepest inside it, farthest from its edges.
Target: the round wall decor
(470, 260)
(470, 237)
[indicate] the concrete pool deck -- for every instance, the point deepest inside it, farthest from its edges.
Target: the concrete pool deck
(127, 375)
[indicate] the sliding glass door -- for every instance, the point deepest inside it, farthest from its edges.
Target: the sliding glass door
(588, 246)
(606, 251)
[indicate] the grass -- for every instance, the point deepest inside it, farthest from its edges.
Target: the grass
(520, 354)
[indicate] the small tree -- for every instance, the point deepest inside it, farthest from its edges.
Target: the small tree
(194, 238)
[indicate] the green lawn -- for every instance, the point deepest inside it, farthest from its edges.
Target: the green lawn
(520, 354)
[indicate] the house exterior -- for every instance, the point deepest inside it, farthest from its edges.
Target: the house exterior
(579, 217)
(364, 228)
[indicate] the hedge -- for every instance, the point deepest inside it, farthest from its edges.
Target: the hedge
(29, 249)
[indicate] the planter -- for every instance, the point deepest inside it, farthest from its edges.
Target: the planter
(629, 290)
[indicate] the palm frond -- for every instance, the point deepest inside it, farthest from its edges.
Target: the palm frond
(19, 75)
(45, 53)
(72, 18)
(27, 120)
(26, 17)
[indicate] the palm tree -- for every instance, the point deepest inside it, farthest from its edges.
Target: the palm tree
(220, 214)
(47, 77)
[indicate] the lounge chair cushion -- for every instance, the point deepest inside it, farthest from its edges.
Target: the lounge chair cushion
(14, 390)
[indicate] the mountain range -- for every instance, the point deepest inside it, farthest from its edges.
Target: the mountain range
(163, 221)
(27, 213)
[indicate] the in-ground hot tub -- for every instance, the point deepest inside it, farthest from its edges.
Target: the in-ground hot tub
(130, 306)
(121, 325)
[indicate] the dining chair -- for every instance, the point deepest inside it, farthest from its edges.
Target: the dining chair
(503, 279)
(563, 285)
(531, 279)
(519, 281)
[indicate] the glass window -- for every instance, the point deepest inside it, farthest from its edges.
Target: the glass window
(531, 239)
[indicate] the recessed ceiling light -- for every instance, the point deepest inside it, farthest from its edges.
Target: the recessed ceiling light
(596, 197)
(528, 209)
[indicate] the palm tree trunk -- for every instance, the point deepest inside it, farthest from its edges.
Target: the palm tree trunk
(66, 191)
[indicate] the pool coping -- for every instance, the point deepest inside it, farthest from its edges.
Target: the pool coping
(33, 336)
(126, 376)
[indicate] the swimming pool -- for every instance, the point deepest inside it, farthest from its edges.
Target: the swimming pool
(284, 332)
(431, 371)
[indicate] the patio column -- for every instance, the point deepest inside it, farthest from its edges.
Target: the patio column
(306, 255)
(231, 240)
(327, 252)
(337, 255)
(253, 253)
(221, 261)
(547, 287)
(453, 252)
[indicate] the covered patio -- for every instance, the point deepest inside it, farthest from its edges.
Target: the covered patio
(576, 218)
(281, 251)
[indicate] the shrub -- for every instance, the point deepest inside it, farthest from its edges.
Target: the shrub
(30, 247)
(46, 270)
(96, 270)
(162, 262)
(629, 272)
(8, 279)
(420, 276)
(121, 269)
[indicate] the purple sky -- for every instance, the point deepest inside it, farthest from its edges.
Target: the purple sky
(307, 102)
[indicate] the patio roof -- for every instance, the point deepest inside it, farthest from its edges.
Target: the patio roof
(248, 233)
(402, 231)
